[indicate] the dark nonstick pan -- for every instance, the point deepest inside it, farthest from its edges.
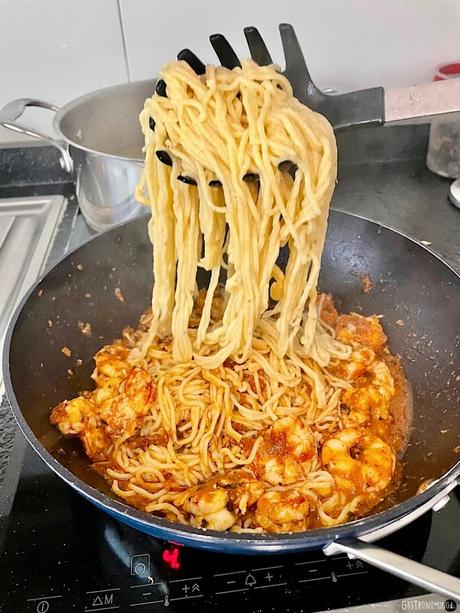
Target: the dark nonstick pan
(107, 283)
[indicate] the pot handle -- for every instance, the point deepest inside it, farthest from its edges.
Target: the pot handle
(424, 576)
(13, 111)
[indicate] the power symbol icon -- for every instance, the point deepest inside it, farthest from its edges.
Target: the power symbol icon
(140, 565)
(42, 606)
(140, 569)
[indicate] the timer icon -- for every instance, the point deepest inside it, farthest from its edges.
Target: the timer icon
(140, 565)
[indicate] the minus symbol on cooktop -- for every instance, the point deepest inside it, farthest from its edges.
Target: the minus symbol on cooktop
(231, 582)
(146, 593)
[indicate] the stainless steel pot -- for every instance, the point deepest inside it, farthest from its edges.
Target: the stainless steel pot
(100, 141)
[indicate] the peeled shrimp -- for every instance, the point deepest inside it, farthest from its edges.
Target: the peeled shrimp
(355, 330)
(283, 511)
(287, 452)
(123, 410)
(356, 365)
(359, 462)
(209, 509)
(370, 396)
(78, 417)
(111, 365)
(218, 502)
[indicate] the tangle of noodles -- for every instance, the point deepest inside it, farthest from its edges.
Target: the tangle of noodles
(253, 405)
(225, 125)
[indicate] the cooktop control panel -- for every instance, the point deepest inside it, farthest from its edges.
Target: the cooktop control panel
(61, 554)
(144, 589)
(153, 580)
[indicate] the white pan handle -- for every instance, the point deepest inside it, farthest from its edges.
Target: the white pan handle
(422, 101)
(424, 576)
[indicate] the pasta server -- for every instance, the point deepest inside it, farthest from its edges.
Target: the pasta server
(367, 107)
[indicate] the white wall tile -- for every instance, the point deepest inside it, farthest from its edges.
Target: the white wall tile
(57, 50)
(348, 44)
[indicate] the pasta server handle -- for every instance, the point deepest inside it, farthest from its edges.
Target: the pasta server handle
(422, 101)
(368, 107)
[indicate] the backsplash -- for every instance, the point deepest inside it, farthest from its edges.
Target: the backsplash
(58, 49)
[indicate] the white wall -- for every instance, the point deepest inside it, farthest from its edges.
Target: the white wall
(58, 49)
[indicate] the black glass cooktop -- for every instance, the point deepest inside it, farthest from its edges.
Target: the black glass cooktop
(62, 554)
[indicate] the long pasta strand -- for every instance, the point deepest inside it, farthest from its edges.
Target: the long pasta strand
(221, 126)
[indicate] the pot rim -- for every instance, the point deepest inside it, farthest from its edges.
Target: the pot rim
(70, 106)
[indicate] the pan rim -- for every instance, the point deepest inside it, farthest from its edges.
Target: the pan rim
(208, 538)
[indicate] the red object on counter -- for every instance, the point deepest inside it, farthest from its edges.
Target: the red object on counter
(447, 71)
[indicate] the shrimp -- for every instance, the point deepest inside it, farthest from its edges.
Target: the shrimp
(78, 417)
(111, 365)
(209, 509)
(356, 330)
(370, 396)
(242, 489)
(217, 503)
(70, 416)
(326, 310)
(359, 462)
(355, 366)
(287, 452)
(123, 411)
(283, 511)
(373, 386)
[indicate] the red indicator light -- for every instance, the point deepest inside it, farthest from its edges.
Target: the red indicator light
(171, 557)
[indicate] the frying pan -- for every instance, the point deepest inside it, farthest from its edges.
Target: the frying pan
(107, 283)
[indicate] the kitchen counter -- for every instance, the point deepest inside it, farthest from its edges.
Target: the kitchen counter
(385, 179)
(406, 197)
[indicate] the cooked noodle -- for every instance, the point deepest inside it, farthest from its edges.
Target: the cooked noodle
(222, 126)
(252, 405)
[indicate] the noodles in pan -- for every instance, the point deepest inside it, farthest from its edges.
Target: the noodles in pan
(251, 405)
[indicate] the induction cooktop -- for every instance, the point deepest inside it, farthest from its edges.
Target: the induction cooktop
(60, 553)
